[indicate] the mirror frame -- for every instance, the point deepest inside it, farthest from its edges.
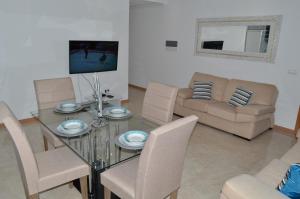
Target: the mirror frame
(269, 56)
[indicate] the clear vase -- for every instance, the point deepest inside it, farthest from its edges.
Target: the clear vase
(99, 105)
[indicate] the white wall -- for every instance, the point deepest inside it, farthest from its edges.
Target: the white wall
(149, 60)
(34, 44)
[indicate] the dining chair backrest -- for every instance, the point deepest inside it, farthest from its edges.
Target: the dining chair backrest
(49, 92)
(25, 157)
(161, 161)
(159, 103)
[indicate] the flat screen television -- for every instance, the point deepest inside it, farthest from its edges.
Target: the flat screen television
(215, 45)
(93, 56)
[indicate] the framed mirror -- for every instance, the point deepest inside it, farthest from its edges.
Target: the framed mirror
(250, 38)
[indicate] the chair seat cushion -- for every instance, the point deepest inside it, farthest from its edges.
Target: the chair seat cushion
(121, 179)
(273, 173)
(198, 104)
(59, 166)
(222, 110)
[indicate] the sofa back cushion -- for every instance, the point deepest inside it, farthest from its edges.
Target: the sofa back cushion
(219, 84)
(264, 94)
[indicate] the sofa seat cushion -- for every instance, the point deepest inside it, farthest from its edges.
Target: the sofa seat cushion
(222, 110)
(255, 109)
(240, 117)
(273, 173)
(293, 155)
(248, 187)
(198, 104)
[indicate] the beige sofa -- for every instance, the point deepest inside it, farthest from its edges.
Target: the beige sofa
(247, 122)
(263, 184)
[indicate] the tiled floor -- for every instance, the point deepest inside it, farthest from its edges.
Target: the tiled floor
(212, 157)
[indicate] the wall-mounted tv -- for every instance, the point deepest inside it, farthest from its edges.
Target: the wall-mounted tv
(215, 45)
(93, 56)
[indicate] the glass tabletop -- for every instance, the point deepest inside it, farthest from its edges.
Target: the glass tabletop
(98, 145)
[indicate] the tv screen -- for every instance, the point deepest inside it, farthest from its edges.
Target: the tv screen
(93, 56)
(215, 45)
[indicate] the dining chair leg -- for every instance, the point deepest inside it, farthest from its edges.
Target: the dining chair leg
(173, 195)
(83, 187)
(34, 196)
(107, 193)
(45, 143)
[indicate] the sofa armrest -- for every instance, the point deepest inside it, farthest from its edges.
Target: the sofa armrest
(185, 93)
(256, 109)
(249, 187)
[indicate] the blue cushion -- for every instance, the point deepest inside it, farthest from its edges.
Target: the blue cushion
(290, 185)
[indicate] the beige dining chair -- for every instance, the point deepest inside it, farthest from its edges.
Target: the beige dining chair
(157, 173)
(49, 93)
(45, 170)
(159, 103)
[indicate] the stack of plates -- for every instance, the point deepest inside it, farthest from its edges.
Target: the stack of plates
(117, 112)
(68, 107)
(72, 128)
(132, 139)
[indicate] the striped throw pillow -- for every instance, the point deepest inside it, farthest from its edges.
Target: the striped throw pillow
(202, 90)
(240, 97)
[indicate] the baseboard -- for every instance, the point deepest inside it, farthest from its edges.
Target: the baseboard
(137, 87)
(26, 121)
(284, 130)
(124, 101)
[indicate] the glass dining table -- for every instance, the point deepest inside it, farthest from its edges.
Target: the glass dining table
(97, 147)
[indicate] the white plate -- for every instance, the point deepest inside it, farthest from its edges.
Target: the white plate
(68, 107)
(132, 140)
(132, 144)
(71, 128)
(117, 112)
(136, 136)
(73, 125)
